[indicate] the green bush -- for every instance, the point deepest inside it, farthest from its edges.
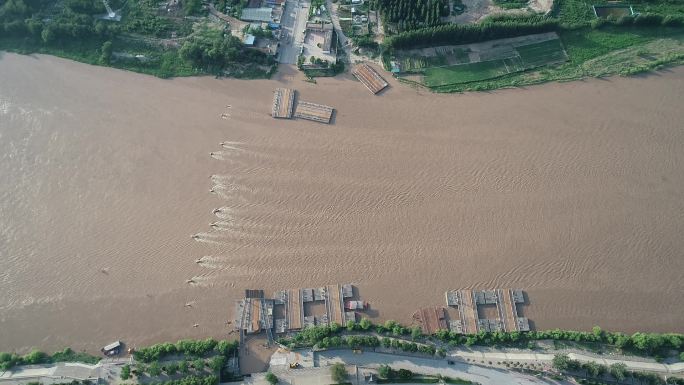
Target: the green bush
(184, 367)
(385, 371)
(154, 369)
(338, 372)
(125, 372)
(171, 368)
(217, 363)
(271, 378)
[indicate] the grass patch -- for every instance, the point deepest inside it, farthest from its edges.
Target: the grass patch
(464, 73)
(545, 52)
(511, 4)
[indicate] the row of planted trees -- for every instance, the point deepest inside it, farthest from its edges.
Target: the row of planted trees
(617, 372)
(451, 34)
(192, 348)
(505, 26)
(9, 360)
(411, 14)
(650, 344)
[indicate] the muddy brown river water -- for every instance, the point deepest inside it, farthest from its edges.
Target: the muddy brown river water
(572, 192)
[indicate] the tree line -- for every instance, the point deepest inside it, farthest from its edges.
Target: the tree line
(617, 371)
(193, 348)
(411, 14)
(503, 26)
(23, 18)
(191, 380)
(323, 336)
(453, 34)
(9, 360)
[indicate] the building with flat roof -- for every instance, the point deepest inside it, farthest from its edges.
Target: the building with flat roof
(325, 30)
(263, 14)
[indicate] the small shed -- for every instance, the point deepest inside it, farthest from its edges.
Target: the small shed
(248, 40)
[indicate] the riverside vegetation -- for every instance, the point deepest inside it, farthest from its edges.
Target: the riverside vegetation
(650, 39)
(395, 336)
(203, 362)
(194, 362)
(181, 43)
(365, 333)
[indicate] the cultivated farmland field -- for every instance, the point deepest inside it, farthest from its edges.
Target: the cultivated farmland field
(440, 76)
(538, 54)
(519, 55)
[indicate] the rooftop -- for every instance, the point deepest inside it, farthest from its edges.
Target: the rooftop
(256, 14)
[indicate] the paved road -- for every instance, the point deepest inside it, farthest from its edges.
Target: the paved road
(344, 42)
(548, 357)
(483, 375)
(293, 23)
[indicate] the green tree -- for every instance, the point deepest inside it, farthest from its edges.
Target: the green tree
(183, 367)
(271, 378)
(106, 56)
(681, 356)
(560, 362)
(339, 373)
(217, 363)
(154, 369)
(592, 368)
(141, 368)
(619, 371)
(416, 333)
(35, 357)
(405, 374)
(47, 35)
(385, 371)
(225, 348)
(198, 364)
(365, 324)
(191, 7)
(125, 372)
(351, 325)
(171, 368)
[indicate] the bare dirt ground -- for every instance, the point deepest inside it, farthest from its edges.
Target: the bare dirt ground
(476, 10)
